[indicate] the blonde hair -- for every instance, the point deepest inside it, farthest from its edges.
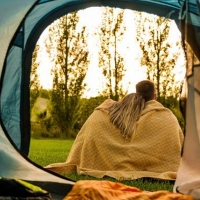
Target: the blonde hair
(125, 113)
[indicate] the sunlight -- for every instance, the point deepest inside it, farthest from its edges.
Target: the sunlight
(129, 49)
(44, 68)
(180, 69)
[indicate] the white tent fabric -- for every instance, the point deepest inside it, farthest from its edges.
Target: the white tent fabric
(14, 165)
(188, 178)
(11, 15)
(21, 23)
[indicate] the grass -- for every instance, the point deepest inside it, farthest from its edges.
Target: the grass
(47, 151)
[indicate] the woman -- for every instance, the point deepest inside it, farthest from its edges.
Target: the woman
(125, 113)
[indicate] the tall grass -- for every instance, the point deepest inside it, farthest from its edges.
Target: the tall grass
(47, 151)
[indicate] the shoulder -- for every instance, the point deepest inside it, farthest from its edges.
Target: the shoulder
(155, 114)
(154, 106)
(153, 103)
(105, 105)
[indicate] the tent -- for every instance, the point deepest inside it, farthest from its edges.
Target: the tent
(21, 24)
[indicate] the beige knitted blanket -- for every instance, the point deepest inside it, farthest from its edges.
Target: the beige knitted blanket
(100, 150)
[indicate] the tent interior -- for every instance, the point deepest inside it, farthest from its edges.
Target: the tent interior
(21, 24)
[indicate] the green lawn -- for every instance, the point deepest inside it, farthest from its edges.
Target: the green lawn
(44, 152)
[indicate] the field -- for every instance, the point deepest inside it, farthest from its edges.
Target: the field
(44, 152)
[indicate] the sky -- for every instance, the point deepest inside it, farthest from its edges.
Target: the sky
(130, 51)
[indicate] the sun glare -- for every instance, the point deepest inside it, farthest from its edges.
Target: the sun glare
(129, 50)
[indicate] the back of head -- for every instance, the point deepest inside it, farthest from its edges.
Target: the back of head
(146, 89)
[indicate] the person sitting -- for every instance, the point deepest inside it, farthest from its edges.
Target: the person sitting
(128, 139)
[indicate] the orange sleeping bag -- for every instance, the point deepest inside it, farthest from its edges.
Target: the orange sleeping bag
(107, 190)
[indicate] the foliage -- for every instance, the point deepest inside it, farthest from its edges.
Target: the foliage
(34, 81)
(41, 125)
(158, 55)
(45, 93)
(39, 130)
(86, 109)
(45, 152)
(174, 105)
(71, 64)
(110, 60)
(176, 111)
(44, 127)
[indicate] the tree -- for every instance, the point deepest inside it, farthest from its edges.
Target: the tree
(68, 48)
(158, 55)
(110, 60)
(34, 80)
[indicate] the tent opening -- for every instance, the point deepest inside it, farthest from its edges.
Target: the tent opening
(77, 47)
